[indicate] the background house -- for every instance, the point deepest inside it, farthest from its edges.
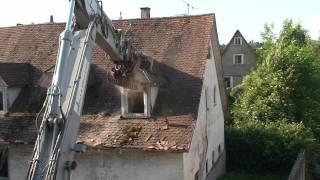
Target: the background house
(238, 58)
(172, 130)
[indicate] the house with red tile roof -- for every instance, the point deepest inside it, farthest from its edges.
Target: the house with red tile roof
(172, 130)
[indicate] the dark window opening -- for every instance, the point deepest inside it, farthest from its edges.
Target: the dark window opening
(237, 41)
(219, 149)
(238, 59)
(206, 94)
(1, 101)
(212, 158)
(227, 81)
(135, 102)
(207, 167)
(4, 166)
(214, 96)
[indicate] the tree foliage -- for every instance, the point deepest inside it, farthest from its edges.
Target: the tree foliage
(285, 86)
(276, 109)
(265, 147)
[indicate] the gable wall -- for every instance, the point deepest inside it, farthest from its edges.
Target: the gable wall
(209, 130)
(237, 71)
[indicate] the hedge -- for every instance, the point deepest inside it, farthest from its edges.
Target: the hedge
(265, 147)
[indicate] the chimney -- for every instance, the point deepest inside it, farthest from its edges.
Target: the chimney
(51, 18)
(145, 13)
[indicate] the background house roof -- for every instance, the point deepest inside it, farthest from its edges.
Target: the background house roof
(244, 42)
(179, 46)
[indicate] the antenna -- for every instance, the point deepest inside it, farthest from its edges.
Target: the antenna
(188, 6)
(120, 15)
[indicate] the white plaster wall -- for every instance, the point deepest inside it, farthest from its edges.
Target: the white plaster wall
(209, 127)
(19, 158)
(13, 93)
(128, 165)
(108, 164)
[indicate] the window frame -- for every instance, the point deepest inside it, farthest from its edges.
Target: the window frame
(231, 80)
(234, 59)
(237, 39)
(125, 108)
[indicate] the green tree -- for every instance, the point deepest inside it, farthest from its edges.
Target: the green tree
(269, 38)
(285, 86)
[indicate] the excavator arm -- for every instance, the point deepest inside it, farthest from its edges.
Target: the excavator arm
(86, 25)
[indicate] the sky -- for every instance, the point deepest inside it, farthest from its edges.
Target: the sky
(249, 16)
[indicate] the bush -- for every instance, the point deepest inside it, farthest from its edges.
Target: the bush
(265, 147)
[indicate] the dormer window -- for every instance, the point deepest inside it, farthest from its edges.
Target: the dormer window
(237, 40)
(139, 92)
(134, 103)
(138, 103)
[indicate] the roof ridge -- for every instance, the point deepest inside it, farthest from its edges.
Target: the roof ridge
(167, 17)
(24, 25)
(152, 18)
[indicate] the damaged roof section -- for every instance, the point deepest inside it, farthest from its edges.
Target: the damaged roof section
(177, 48)
(170, 134)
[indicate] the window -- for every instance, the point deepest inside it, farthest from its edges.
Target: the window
(237, 40)
(4, 168)
(1, 101)
(238, 59)
(237, 80)
(213, 158)
(135, 103)
(206, 98)
(228, 80)
(219, 149)
(207, 167)
(214, 95)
